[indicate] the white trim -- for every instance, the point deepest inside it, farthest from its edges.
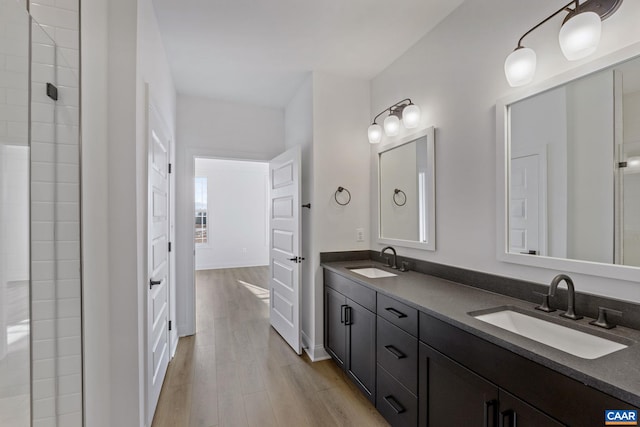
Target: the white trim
(315, 353)
(186, 293)
(620, 272)
(430, 245)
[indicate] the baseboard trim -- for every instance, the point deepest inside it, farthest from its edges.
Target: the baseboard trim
(315, 352)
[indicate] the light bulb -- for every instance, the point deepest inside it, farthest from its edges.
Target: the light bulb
(520, 66)
(392, 125)
(633, 162)
(411, 116)
(580, 35)
(375, 133)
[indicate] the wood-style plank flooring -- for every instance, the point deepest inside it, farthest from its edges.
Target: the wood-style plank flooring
(237, 371)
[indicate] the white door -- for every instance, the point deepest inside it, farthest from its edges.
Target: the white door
(158, 260)
(284, 249)
(523, 206)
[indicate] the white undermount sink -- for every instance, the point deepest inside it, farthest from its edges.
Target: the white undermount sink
(569, 340)
(372, 272)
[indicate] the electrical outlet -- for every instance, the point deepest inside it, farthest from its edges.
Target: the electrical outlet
(359, 234)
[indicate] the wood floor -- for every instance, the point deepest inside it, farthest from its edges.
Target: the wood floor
(237, 371)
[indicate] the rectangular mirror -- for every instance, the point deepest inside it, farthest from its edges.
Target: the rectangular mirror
(406, 198)
(572, 174)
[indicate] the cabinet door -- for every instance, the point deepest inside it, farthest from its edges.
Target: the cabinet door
(335, 341)
(451, 395)
(361, 348)
(514, 412)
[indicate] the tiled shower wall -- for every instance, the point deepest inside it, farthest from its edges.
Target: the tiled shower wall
(55, 214)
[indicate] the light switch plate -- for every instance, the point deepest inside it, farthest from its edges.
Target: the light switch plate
(359, 234)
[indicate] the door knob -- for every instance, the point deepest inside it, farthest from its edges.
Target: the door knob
(153, 283)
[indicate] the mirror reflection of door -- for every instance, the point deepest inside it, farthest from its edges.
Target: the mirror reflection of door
(524, 194)
(629, 179)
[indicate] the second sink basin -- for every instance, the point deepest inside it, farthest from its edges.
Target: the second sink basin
(372, 272)
(566, 339)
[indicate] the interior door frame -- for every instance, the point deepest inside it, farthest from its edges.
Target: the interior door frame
(150, 102)
(187, 293)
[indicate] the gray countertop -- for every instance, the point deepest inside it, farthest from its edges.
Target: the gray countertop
(617, 374)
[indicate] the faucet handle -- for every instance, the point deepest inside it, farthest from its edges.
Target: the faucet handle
(602, 320)
(405, 266)
(545, 303)
(388, 260)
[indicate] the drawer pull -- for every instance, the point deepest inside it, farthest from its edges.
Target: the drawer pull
(395, 405)
(347, 312)
(395, 312)
(397, 353)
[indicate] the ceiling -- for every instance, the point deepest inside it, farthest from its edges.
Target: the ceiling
(259, 51)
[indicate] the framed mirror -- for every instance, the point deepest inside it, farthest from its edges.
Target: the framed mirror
(569, 171)
(406, 191)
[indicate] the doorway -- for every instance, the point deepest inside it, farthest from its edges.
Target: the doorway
(231, 230)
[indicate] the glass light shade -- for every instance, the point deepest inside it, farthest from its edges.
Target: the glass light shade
(375, 133)
(411, 116)
(392, 125)
(520, 66)
(580, 35)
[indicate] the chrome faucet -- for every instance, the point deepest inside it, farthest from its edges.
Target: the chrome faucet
(571, 297)
(395, 256)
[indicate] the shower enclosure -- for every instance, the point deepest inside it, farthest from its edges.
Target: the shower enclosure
(40, 279)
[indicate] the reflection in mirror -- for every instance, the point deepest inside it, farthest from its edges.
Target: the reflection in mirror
(406, 192)
(574, 170)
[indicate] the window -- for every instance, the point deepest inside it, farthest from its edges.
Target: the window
(201, 210)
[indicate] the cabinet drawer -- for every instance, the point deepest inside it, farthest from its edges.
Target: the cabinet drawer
(361, 294)
(394, 402)
(398, 354)
(400, 314)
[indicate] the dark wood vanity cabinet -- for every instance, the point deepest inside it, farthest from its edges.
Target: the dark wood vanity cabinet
(350, 332)
(397, 356)
(451, 395)
(544, 397)
(420, 370)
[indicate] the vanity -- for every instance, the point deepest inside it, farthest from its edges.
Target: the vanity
(416, 346)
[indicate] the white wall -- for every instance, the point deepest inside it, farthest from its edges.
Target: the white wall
(455, 74)
(340, 158)
(124, 51)
(298, 124)
(215, 129)
(237, 214)
(95, 208)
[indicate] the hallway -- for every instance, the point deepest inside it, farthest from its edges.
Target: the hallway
(237, 371)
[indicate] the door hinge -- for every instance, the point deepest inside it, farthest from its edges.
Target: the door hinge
(169, 246)
(169, 167)
(622, 165)
(169, 324)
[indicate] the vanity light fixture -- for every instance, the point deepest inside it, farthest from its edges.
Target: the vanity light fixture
(579, 37)
(406, 109)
